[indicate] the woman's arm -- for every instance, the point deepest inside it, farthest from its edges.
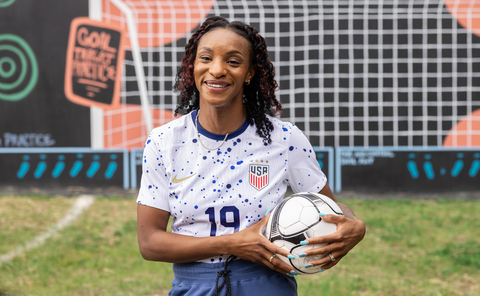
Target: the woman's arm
(350, 231)
(156, 244)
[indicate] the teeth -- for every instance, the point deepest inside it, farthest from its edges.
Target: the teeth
(217, 85)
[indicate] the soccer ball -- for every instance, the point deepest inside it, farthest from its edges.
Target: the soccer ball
(297, 218)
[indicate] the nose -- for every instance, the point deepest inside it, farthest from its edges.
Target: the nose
(217, 68)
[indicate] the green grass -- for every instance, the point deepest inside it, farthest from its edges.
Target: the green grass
(423, 247)
(412, 247)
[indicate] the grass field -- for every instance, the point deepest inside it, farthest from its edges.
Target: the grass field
(412, 247)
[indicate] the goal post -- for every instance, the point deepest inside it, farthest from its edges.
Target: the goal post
(137, 61)
(97, 114)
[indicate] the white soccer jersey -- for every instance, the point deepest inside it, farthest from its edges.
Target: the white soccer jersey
(220, 192)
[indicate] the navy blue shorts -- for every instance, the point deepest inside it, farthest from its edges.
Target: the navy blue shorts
(246, 278)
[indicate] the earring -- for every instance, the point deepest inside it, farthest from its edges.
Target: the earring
(247, 82)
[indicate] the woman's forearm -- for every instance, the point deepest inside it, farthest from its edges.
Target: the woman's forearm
(176, 248)
(156, 244)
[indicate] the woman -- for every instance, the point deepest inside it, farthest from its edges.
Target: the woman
(201, 170)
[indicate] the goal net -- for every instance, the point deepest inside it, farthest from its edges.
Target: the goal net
(350, 72)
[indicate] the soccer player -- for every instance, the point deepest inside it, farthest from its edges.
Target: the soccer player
(220, 168)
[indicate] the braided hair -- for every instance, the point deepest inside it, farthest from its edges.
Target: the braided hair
(258, 96)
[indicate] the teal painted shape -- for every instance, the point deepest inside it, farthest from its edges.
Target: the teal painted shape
(457, 168)
(112, 167)
(428, 168)
(412, 168)
(22, 171)
(57, 171)
(77, 166)
(41, 167)
(474, 168)
(92, 170)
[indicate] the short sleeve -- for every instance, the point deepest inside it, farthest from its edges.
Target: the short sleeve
(304, 172)
(154, 183)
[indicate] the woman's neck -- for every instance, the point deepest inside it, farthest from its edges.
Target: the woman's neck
(221, 120)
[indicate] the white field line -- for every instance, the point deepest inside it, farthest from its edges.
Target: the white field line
(82, 203)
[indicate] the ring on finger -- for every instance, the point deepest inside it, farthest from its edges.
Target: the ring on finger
(331, 257)
(271, 258)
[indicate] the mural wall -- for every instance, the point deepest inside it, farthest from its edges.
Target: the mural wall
(98, 74)
(350, 73)
(34, 111)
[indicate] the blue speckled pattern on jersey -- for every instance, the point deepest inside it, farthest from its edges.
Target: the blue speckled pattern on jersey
(209, 192)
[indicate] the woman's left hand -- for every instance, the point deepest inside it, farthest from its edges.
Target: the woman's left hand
(349, 233)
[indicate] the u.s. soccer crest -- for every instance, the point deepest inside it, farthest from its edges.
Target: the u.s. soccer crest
(258, 175)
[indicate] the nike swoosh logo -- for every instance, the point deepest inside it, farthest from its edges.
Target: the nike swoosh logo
(175, 180)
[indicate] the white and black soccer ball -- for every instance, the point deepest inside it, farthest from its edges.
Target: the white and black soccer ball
(296, 219)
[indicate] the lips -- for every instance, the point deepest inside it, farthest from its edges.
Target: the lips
(215, 85)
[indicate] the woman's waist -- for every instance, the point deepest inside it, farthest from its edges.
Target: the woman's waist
(240, 270)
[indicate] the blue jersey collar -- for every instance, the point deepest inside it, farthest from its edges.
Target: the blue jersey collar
(218, 137)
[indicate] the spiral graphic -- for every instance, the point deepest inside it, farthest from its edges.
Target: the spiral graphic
(5, 3)
(18, 67)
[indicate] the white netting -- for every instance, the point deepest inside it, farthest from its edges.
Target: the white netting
(351, 73)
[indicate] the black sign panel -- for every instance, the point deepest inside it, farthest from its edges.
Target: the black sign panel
(45, 167)
(408, 169)
(33, 109)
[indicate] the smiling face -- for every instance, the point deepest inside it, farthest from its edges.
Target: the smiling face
(222, 66)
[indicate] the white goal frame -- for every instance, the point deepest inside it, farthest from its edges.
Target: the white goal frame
(96, 114)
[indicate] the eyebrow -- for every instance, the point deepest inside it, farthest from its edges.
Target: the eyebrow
(230, 52)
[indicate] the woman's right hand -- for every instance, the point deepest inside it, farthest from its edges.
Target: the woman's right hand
(250, 244)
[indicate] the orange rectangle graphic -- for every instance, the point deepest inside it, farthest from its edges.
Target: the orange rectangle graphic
(91, 82)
